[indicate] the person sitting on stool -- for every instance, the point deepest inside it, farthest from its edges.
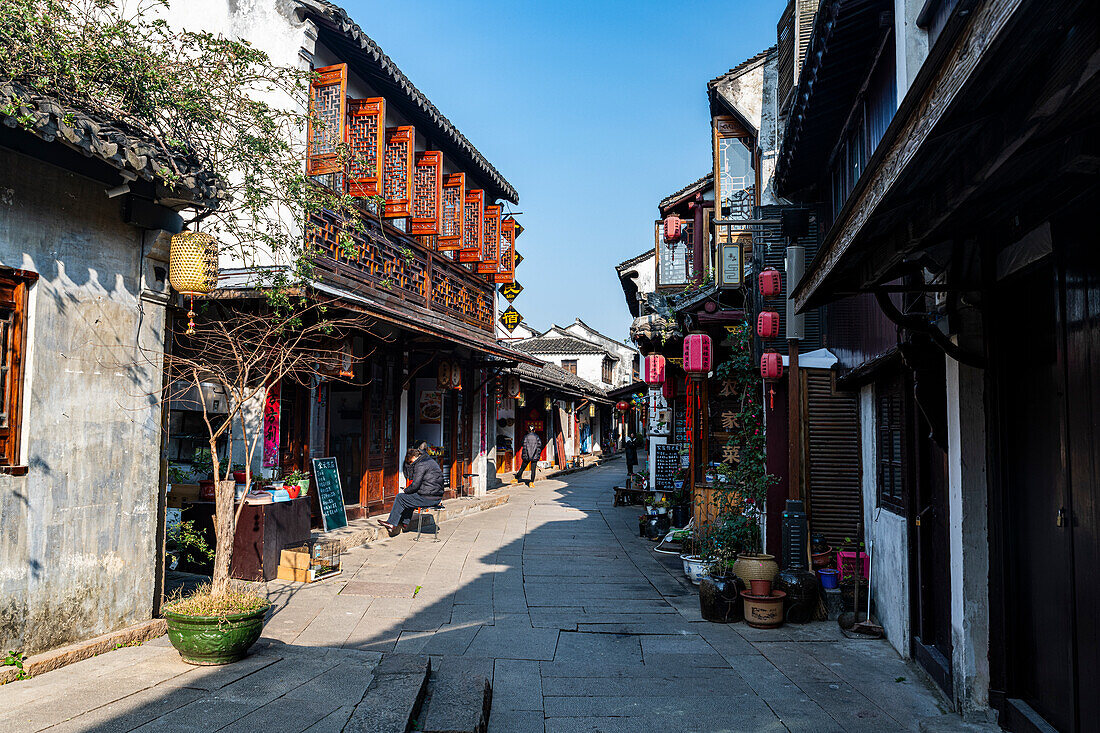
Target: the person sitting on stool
(424, 489)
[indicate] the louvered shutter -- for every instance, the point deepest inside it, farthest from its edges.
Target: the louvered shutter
(397, 172)
(427, 193)
(453, 212)
(471, 230)
(325, 127)
(506, 267)
(832, 448)
(490, 241)
(365, 138)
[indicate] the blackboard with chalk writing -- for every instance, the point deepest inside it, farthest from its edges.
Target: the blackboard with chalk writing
(329, 494)
(665, 466)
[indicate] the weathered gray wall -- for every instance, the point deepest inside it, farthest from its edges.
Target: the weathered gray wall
(77, 533)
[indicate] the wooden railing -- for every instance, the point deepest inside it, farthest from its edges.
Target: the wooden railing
(393, 264)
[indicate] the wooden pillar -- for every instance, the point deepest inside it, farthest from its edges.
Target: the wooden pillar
(794, 431)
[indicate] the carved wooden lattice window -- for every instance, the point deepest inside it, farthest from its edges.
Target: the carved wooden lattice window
(453, 212)
(490, 241)
(471, 230)
(325, 128)
(13, 307)
(366, 119)
(427, 192)
(506, 267)
(397, 171)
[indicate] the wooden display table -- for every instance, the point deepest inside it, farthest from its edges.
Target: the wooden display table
(263, 530)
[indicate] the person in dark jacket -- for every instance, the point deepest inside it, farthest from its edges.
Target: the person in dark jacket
(529, 453)
(631, 448)
(424, 489)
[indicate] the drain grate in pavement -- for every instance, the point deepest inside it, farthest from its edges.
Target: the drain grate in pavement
(380, 590)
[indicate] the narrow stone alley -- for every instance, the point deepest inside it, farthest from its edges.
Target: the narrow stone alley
(579, 624)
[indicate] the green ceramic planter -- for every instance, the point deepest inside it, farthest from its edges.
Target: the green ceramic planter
(209, 640)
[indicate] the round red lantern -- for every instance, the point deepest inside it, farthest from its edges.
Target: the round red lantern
(771, 365)
(697, 353)
(771, 283)
(654, 370)
(622, 406)
(673, 228)
(767, 325)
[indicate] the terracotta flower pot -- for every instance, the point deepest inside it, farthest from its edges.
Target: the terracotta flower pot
(239, 476)
(755, 567)
(760, 587)
(293, 491)
(764, 612)
(822, 559)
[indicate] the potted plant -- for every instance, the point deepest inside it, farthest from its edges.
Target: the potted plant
(691, 556)
(300, 479)
(720, 589)
(752, 563)
(208, 628)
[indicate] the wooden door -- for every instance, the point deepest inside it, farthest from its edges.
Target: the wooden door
(1038, 596)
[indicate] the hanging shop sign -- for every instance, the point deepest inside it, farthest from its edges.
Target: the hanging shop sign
(510, 318)
(511, 291)
(271, 426)
(330, 495)
(519, 258)
(658, 415)
(729, 264)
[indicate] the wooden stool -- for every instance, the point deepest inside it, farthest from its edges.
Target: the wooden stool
(420, 511)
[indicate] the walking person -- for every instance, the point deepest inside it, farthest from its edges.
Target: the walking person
(424, 489)
(530, 452)
(631, 448)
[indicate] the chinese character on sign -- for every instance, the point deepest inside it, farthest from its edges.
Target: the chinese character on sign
(729, 420)
(727, 389)
(510, 318)
(730, 454)
(511, 291)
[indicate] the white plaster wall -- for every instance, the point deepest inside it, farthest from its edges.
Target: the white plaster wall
(890, 558)
(744, 91)
(911, 43)
(623, 370)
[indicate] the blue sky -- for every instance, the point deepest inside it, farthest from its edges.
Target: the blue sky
(594, 111)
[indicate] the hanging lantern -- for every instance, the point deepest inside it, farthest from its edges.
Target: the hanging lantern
(697, 353)
(592, 409)
(654, 370)
(513, 386)
(521, 401)
(771, 284)
(547, 404)
(443, 374)
(668, 389)
(767, 325)
(673, 228)
(622, 406)
(771, 365)
(456, 376)
(193, 267)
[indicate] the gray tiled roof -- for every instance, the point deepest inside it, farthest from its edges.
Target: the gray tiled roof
(742, 66)
(393, 76)
(114, 142)
(558, 346)
(552, 375)
(688, 189)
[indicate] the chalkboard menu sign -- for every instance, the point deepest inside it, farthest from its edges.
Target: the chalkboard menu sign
(667, 463)
(329, 494)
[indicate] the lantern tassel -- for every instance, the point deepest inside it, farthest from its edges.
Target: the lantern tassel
(771, 397)
(191, 316)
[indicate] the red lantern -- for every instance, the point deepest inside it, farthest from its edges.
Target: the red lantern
(622, 406)
(767, 325)
(673, 228)
(669, 389)
(654, 370)
(771, 284)
(771, 365)
(697, 353)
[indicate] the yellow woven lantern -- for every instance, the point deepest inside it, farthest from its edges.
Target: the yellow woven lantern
(193, 267)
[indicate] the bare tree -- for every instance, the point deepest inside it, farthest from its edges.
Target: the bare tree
(246, 346)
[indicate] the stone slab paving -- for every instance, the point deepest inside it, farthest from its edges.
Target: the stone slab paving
(580, 624)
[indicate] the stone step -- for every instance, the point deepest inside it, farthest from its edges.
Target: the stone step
(394, 696)
(460, 694)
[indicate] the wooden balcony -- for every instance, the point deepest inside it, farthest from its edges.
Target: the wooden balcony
(400, 272)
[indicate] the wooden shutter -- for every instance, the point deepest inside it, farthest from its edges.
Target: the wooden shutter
(427, 193)
(490, 241)
(471, 230)
(506, 266)
(832, 454)
(365, 138)
(397, 172)
(325, 127)
(453, 212)
(13, 298)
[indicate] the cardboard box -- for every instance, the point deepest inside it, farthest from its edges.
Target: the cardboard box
(298, 559)
(295, 574)
(183, 491)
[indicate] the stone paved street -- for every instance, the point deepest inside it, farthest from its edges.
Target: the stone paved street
(587, 630)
